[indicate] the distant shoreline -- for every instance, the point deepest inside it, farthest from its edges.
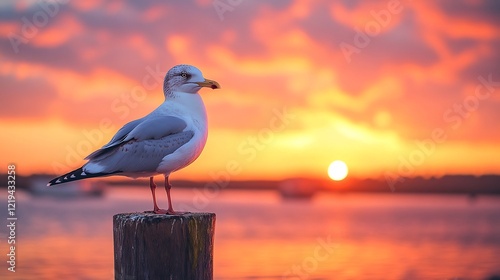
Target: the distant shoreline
(448, 184)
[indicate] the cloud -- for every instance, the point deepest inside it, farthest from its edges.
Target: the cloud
(396, 87)
(25, 98)
(58, 33)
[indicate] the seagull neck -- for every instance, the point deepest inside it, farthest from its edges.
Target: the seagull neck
(192, 101)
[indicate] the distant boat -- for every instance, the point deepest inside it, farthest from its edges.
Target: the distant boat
(81, 188)
(297, 189)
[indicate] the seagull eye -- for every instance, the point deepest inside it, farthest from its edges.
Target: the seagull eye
(184, 75)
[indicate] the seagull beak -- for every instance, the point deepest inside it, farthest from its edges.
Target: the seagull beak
(209, 83)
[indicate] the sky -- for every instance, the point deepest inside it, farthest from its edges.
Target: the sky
(392, 88)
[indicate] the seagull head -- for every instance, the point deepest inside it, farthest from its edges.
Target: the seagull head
(186, 78)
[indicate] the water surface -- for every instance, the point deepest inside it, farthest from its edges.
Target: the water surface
(261, 236)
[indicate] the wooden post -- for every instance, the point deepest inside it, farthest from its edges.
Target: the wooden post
(157, 246)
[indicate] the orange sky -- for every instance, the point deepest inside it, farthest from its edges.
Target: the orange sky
(390, 87)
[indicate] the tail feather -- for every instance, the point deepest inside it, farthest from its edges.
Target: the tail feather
(77, 174)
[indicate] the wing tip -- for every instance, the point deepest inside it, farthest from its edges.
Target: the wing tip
(68, 177)
(77, 174)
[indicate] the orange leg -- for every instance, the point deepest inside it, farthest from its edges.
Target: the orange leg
(156, 209)
(167, 189)
(170, 206)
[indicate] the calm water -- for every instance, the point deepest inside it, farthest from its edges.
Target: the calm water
(260, 236)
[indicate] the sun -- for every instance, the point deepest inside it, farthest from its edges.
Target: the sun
(337, 170)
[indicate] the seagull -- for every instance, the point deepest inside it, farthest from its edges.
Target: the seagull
(169, 138)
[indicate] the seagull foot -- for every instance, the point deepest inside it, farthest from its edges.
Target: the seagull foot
(177, 212)
(160, 211)
(166, 212)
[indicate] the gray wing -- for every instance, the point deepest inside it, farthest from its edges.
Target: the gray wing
(139, 130)
(122, 133)
(137, 156)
